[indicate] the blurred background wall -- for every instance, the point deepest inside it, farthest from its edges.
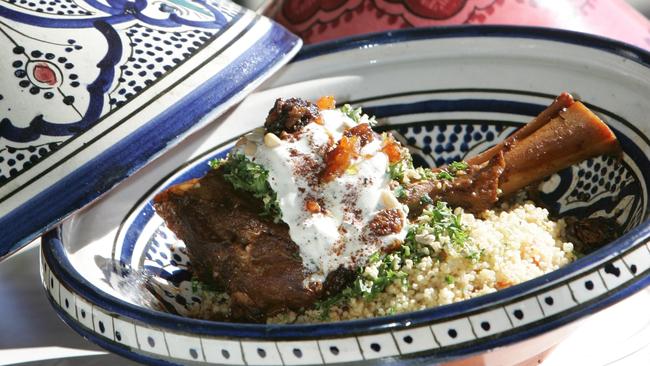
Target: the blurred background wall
(642, 5)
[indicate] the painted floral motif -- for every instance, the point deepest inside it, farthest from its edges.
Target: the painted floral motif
(69, 63)
(314, 19)
(300, 11)
(321, 20)
(433, 9)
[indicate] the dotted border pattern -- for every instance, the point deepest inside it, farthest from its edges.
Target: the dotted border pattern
(490, 322)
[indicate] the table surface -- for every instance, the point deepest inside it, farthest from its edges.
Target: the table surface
(32, 334)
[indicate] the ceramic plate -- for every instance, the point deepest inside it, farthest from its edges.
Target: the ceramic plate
(92, 90)
(446, 94)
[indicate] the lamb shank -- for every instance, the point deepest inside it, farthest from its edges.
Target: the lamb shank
(256, 259)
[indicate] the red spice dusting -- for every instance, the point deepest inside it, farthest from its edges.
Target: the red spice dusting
(338, 159)
(503, 284)
(326, 102)
(339, 246)
(386, 222)
(363, 131)
(392, 149)
(305, 166)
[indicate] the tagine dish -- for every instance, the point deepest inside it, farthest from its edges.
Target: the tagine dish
(414, 197)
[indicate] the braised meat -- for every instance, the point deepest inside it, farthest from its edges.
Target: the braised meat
(475, 190)
(591, 233)
(231, 247)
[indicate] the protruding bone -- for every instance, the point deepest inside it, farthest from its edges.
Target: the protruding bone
(574, 135)
(564, 134)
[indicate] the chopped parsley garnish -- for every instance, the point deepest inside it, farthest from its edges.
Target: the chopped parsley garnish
(450, 279)
(450, 172)
(443, 174)
(385, 276)
(396, 171)
(411, 249)
(475, 255)
(357, 115)
(367, 287)
(244, 175)
(440, 221)
(425, 173)
(400, 192)
(443, 221)
(426, 200)
(458, 166)
(216, 163)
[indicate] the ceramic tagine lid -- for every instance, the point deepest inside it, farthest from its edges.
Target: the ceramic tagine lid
(91, 90)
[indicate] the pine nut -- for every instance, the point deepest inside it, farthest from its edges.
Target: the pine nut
(271, 140)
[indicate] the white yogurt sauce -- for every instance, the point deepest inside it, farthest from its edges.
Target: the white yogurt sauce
(340, 236)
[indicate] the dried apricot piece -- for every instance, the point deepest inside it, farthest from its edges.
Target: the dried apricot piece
(326, 102)
(392, 150)
(363, 131)
(339, 159)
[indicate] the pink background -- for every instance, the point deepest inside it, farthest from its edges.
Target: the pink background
(321, 20)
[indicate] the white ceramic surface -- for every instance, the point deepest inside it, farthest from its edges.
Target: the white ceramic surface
(92, 90)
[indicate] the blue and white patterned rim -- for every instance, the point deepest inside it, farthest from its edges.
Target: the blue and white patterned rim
(471, 326)
(256, 48)
(490, 326)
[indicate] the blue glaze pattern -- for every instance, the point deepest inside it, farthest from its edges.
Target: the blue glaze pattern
(95, 68)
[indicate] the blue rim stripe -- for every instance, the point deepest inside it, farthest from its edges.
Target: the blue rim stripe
(108, 345)
(127, 156)
(608, 45)
(464, 105)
